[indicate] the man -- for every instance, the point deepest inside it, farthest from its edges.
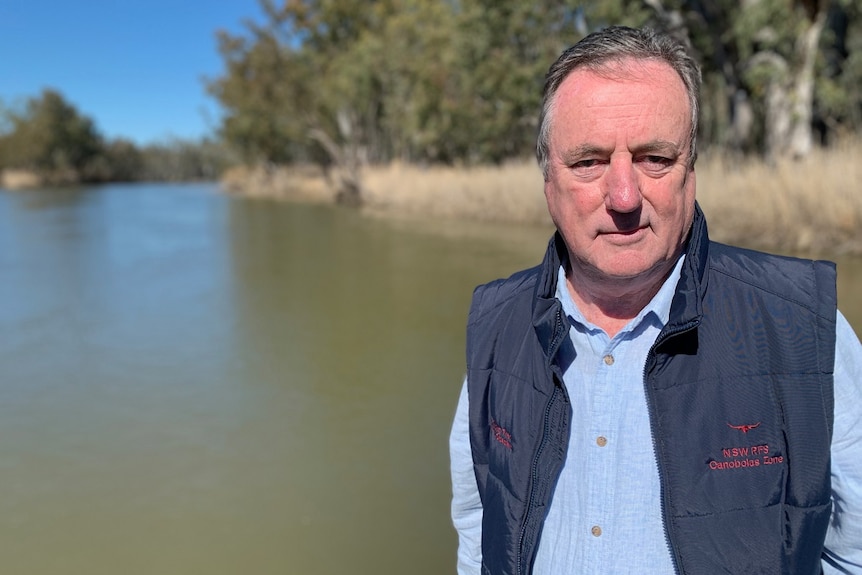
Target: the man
(646, 401)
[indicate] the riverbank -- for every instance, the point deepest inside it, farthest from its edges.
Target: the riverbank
(12, 179)
(811, 205)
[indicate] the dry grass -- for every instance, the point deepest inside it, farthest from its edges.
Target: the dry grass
(19, 179)
(301, 183)
(811, 205)
(510, 193)
(13, 179)
(808, 205)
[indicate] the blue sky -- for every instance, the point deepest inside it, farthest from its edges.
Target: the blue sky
(136, 67)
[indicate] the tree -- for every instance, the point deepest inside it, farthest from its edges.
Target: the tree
(291, 95)
(508, 46)
(838, 99)
(778, 42)
(345, 83)
(264, 93)
(50, 136)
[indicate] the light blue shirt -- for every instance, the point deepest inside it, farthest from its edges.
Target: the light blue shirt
(605, 515)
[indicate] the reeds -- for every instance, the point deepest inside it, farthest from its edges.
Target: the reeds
(811, 205)
(508, 193)
(299, 183)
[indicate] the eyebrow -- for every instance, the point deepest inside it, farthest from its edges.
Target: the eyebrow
(659, 146)
(586, 150)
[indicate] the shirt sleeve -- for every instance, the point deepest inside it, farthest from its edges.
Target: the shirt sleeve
(843, 548)
(466, 503)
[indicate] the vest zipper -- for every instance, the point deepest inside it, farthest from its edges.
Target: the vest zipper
(665, 519)
(534, 472)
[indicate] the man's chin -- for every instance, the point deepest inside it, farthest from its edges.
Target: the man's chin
(631, 272)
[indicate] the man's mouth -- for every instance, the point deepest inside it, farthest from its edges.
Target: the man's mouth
(626, 231)
(626, 234)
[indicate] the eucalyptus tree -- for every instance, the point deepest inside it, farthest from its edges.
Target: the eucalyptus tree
(264, 93)
(772, 69)
(49, 136)
(838, 96)
(347, 82)
(778, 44)
(298, 88)
(507, 48)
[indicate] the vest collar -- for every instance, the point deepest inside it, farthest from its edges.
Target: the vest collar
(687, 304)
(549, 321)
(551, 324)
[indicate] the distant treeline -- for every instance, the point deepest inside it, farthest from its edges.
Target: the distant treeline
(345, 82)
(348, 83)
(51, 140)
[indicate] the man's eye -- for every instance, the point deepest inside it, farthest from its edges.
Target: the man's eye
(658, 161)
(582, 164)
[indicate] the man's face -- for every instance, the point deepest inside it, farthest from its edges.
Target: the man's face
(618, 186)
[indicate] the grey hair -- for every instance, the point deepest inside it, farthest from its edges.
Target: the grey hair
(597, 52)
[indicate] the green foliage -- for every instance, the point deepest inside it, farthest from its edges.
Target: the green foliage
(182, 160)
(508, 48)
(416, 80)
(620, 12)
(49, 137)
(839, 98)
(459, 81)
(124, 161)
(265, 90)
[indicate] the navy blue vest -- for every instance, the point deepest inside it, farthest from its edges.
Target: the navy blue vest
(739, 387)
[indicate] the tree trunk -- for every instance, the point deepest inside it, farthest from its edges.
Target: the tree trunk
(800, 138)
(790, 94)
(778, 112)
(346, 161)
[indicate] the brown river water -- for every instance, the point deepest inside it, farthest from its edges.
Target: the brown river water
(193, 383)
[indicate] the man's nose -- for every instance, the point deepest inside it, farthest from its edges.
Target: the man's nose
(622, 193)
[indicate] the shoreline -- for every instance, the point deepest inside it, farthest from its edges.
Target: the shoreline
(811, 205)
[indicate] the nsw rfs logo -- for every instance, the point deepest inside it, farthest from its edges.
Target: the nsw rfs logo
(745, 428)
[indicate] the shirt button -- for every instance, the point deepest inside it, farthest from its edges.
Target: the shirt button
(596, 531)
(601, 440)
(609, 359)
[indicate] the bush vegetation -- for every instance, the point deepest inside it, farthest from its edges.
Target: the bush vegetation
(48, 141)
(807, 205)
(430, 108)
(348, 84)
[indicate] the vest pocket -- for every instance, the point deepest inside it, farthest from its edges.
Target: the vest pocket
(721, 446)
(779, 539)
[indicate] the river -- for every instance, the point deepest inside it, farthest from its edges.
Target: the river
(195, 383)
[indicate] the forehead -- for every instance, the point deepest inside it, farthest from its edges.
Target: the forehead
(637, 98)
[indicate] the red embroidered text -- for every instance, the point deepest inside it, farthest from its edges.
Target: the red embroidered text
(501, 435)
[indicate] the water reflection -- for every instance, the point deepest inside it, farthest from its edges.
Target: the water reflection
(368, 343)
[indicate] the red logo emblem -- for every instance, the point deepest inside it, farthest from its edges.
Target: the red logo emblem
(745, 428)
(501, 435)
